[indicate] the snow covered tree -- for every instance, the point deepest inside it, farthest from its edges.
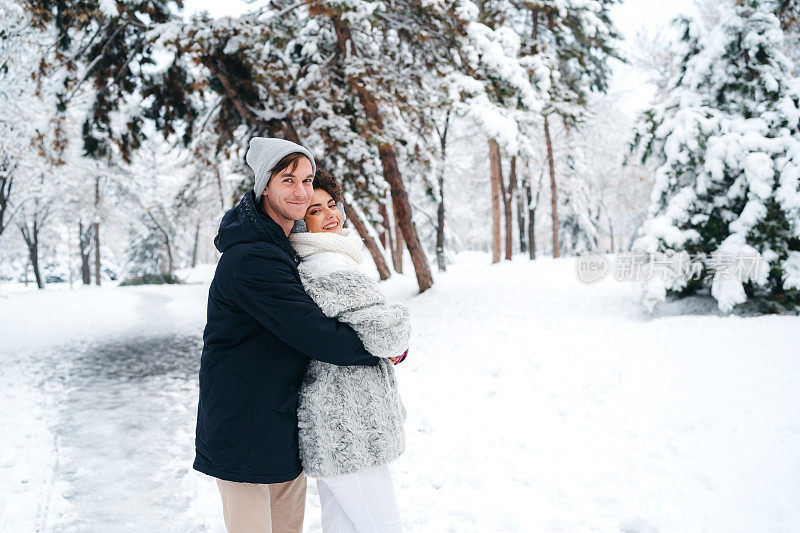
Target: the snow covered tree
(22, 111)
(266, 73)
(377, 41)
(29, 127)
(109, 45)
(654, 54)
(788, 12)
(501, 89)
(360, 82)
(30, 224)
(727, 145)
(150, 192)
(575, 38)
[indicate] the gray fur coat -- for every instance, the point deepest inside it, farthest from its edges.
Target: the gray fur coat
(350, 418)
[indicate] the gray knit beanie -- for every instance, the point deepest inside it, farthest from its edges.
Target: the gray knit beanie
(265, 152)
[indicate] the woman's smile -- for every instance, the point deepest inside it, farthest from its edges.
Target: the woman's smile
(323, 215)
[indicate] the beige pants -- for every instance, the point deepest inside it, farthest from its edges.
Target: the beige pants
(264, 508)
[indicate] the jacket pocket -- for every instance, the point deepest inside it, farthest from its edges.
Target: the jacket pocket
(287, 398)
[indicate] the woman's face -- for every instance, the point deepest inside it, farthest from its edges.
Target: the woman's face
(322, 216)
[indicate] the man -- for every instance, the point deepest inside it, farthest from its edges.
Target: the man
(261, 329)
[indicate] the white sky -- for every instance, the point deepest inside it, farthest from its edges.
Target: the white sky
(630, 17)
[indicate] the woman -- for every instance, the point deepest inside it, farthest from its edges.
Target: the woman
(349, 419)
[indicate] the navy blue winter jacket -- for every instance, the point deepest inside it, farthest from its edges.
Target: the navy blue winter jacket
(261, 329)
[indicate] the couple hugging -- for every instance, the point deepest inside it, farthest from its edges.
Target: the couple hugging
(296, 376)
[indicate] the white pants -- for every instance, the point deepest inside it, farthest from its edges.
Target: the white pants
(363, 502)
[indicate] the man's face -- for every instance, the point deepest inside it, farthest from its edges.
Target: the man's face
(289, 192)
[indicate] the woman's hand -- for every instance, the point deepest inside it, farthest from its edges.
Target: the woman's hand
(399, 359)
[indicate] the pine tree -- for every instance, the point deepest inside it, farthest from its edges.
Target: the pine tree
(727, 142)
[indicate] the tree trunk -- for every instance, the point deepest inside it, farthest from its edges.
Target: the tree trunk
(391, 170)
(289, 132)
(520, 199)
(219, 188)
(34, 254)
(31, 237)
(531, 219)
(170, 264)
(387, 239)
(553, 193)
(85, 244)
(496, 176)
(440, 257)
(370, 242)
(507, 195)
(355, 218)
(167, 243)
(611, 234)
(5, 193)
(196, 243)
(399, 246)
(386, 234)
(96, 231)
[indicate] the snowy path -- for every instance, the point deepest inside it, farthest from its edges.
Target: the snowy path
(536, 404)
(123, 436)
(115, 421)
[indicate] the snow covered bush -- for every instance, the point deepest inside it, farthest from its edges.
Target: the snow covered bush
(727, 145)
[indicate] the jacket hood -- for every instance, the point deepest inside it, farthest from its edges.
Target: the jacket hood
(246, 223)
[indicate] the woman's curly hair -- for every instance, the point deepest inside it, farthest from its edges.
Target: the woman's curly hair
(327, 182)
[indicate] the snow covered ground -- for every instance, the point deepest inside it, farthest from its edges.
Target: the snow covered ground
(536, 404)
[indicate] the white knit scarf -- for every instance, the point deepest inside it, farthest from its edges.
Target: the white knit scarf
(348, 243)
